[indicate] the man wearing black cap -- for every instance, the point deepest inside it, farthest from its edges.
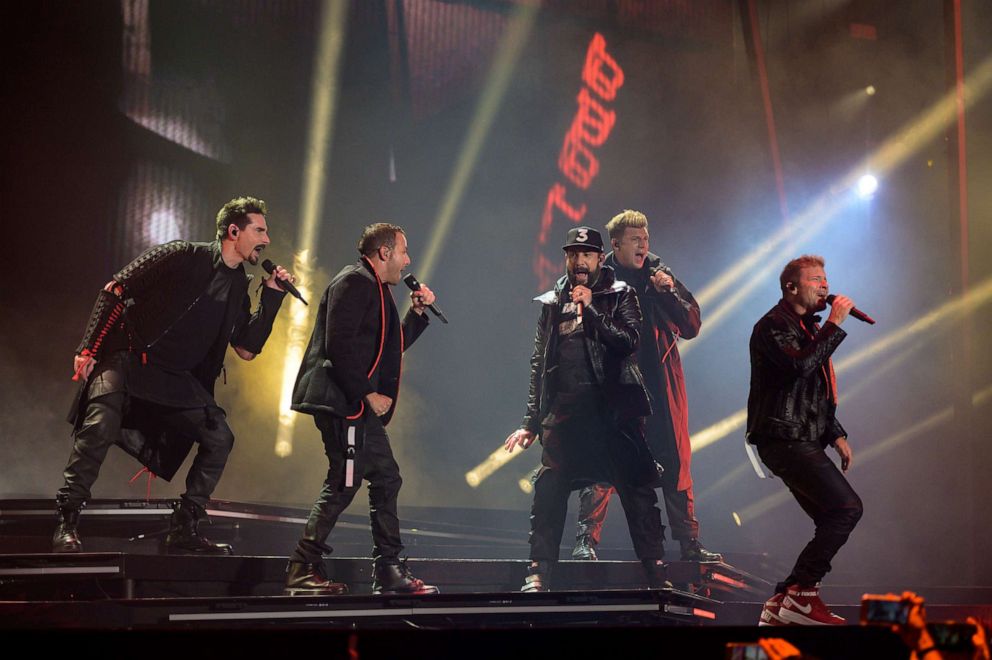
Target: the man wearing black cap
(586, 403)
(670, 313)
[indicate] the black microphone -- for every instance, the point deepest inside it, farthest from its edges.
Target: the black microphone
(268, 266)
(855, 312)
(414, 285)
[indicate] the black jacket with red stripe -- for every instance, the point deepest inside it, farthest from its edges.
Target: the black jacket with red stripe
(356, 347)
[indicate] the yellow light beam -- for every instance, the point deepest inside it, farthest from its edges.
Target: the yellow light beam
(486, 468)
(521, 22)
(323, 106)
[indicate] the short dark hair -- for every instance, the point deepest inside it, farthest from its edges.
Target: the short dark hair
(377, 235)
(794, 268)
(236, 211)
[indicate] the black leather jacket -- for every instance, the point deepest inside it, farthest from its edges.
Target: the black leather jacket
(790, 397)
(612, 325)
(161, 285)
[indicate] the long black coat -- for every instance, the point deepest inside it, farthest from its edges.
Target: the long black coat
(790, 398)
(611, 326)
(668, 316)
(159, 286)
(356, 347)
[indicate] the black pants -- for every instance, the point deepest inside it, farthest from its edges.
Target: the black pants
(595, 500)
(375, 463)
(583, 449)
(550, 508)
(101, 427)
(826, 497)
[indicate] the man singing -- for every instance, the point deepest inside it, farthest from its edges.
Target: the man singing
(586, 403)
(349, 381)
(670, 312)
(153, 348)
(791, 420)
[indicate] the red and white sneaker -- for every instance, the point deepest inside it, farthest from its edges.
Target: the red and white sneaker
(802, 605)
(770, 612)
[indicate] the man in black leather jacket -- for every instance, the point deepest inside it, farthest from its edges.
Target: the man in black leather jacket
(670, 312)
(791, 419)
(587, 403)
(154, 346)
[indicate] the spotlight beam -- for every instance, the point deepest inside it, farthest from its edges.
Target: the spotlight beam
(913, 136)
(323, 106)
(511, 47)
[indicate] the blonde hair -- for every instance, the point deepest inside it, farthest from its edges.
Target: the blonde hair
(628, 218)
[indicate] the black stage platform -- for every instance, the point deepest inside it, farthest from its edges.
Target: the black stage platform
(123, 583)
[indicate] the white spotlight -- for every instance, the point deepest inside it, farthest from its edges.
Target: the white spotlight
(870, 90)
(867, 185)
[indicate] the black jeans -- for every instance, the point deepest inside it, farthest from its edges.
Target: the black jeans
(826, 497)
(101, 427)
(679, 506)
(374, 463)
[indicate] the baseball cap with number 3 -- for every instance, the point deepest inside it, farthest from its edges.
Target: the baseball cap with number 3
(585, 238)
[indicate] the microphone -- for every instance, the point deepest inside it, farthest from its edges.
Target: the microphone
(855, 312)
(661, 269)
(414, 285)
(268, 266)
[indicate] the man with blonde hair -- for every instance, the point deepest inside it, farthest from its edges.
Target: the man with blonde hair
(669, 312)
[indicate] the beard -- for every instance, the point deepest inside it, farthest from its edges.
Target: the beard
(590, 279)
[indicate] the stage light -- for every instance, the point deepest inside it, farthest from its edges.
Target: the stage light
(323, 104)
(751, 271)
(867, 185)
(870, 90)
(526, 485)
(504, 64)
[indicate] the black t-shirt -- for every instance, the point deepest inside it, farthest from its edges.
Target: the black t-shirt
(574, 371)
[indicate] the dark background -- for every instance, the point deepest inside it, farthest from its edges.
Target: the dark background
(130, 123)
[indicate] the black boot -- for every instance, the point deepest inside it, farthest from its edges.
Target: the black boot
(585, 548)
(304, 579)
(657, 572)
(693, 551)
(538, 577)
(393, 577)
(66, 536)
(184, 538)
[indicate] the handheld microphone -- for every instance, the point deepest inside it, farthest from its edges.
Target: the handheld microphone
(855, 312)
(414, 285)
(268, 267)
